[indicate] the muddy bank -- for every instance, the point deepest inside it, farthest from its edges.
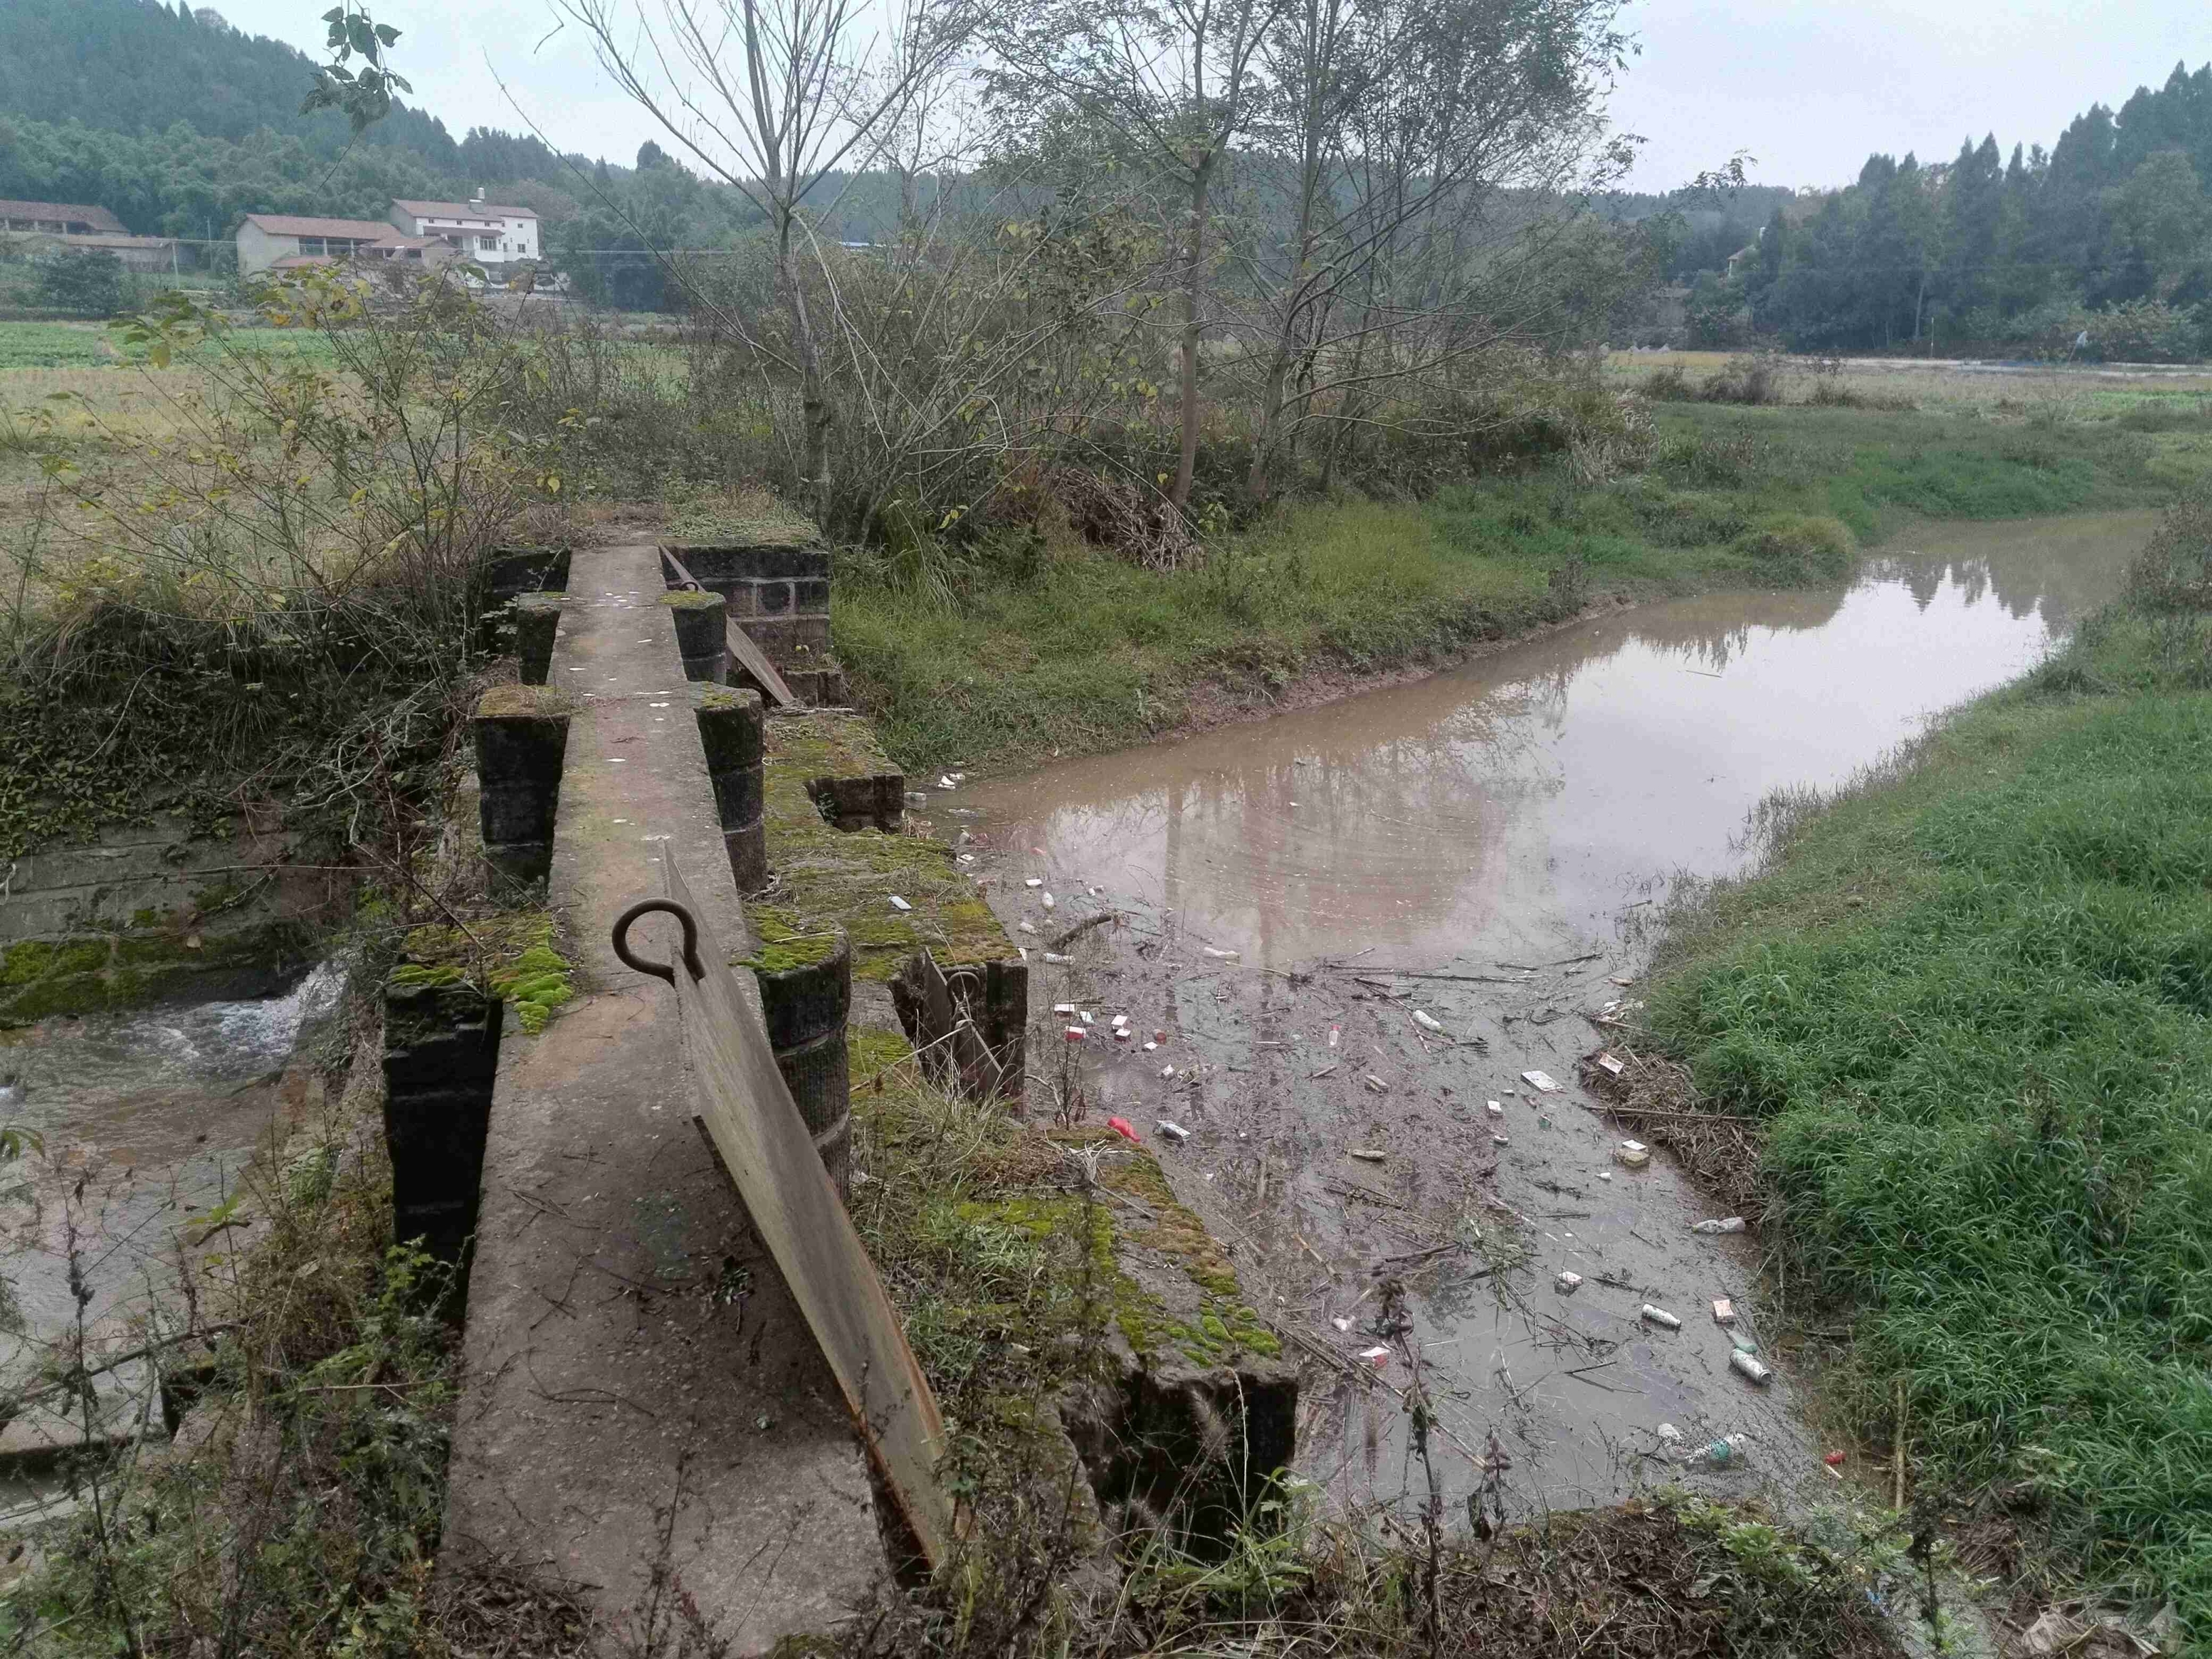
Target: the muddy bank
(1483, 847)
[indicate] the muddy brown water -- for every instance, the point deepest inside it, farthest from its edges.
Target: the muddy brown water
(1515, 822)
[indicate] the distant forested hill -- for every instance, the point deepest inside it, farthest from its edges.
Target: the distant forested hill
(138, 66)
(180, 124)
(2108, 234)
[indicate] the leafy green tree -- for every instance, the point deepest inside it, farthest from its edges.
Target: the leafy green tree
(89, 282)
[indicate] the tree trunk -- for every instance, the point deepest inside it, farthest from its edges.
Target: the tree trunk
(1193, 293)
(813, 398)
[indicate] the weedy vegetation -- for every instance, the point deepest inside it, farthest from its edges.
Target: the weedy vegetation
(1970, 1001)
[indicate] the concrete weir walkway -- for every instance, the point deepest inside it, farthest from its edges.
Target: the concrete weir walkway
(645, 1414)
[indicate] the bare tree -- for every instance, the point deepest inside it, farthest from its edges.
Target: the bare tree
(1174, 83)
(773, 96)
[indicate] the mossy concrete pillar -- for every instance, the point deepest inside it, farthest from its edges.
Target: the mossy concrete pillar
(440, 1056)
(521, 740)
(805, 1005)
(733, 731)
(702, 632)
(537, 622)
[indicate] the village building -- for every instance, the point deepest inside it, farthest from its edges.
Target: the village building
(288, 241)
(90, 230)
(484, 233)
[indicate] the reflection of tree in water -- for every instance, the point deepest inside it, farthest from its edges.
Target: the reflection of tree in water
(1406, 800)
(1712, 633)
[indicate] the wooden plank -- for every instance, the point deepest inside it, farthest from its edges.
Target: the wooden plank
(770, 1158)
(745, 648)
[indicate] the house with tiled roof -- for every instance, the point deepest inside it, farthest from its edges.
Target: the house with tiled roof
(289, 241)
(58, 219)
(481, 232)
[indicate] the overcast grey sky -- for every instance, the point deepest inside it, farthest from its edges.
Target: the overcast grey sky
(1807, 87)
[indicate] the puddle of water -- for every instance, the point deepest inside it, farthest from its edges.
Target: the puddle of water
(1548, 785)
(144, 1118)
(1516, 811)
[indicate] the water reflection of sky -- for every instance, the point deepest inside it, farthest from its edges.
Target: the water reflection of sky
(1557, 780)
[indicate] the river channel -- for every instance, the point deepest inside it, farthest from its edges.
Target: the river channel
(1512, 823)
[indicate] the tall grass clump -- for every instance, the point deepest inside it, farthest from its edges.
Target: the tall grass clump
(1973, 1002)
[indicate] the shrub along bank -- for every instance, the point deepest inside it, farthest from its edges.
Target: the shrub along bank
(1017, 645)
(1971, 1000)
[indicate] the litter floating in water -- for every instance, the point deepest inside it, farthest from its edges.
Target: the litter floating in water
(1634, 1153)
(1497, 1140)
(1661, 1318)
(1221, 956)
(1723, 1311)
(1072, 1034)
(1167, 1071)
(1375, 1085)
(1605, 1175)
(1726, 1453)
(1570, 1283)
(1120, 1034)
(1331, 1036)
(946, 782)
(914, 797)
(1033, 881)
(1341, 1324)
(1063, 1007)
(898, 903)
(1087, 1019)
(1542, 1082)
(1047, 900)
(1731, 1223)
(1120, 1126)
(1025, 926)
(1120, 1020)
(1834, 1459)
(1496, 1111)
(1377, 1357)
(1174, 1131)
(1606, 1063)
(1149, 1047)
(1751, 1366)
(1741, 1343)
(1426, 1021)
(1366, 1154)
(1057, 959)
(1623, 978)
(1668, 1431)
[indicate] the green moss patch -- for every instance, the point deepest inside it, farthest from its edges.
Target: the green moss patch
(690, 599)
(515, 956)
(526, 702)
(831, 878)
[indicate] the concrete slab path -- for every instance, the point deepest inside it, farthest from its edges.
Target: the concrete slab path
(644, 1413)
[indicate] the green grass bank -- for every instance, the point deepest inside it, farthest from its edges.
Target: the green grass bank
(1971, 1000)
(1019, 648)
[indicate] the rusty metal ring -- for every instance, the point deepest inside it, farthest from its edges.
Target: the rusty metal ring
(659, 969)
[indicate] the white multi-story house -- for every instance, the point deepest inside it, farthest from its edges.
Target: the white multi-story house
(483, 233)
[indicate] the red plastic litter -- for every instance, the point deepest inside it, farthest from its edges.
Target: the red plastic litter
(1833, 1459)
(1072, 1034)
(1120, 1126)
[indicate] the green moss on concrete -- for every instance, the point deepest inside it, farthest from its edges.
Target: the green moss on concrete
(690, 599)
(59, 993)
(526, 702)
(833, 879)
(784, 940)
(512, 956)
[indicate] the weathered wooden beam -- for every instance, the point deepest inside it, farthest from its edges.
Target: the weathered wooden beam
(771, 1158)
(743, 648)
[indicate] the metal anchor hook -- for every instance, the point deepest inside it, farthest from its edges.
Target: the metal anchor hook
(659, 969)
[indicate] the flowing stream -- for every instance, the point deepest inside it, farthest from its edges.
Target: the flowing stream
(1508, 824)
